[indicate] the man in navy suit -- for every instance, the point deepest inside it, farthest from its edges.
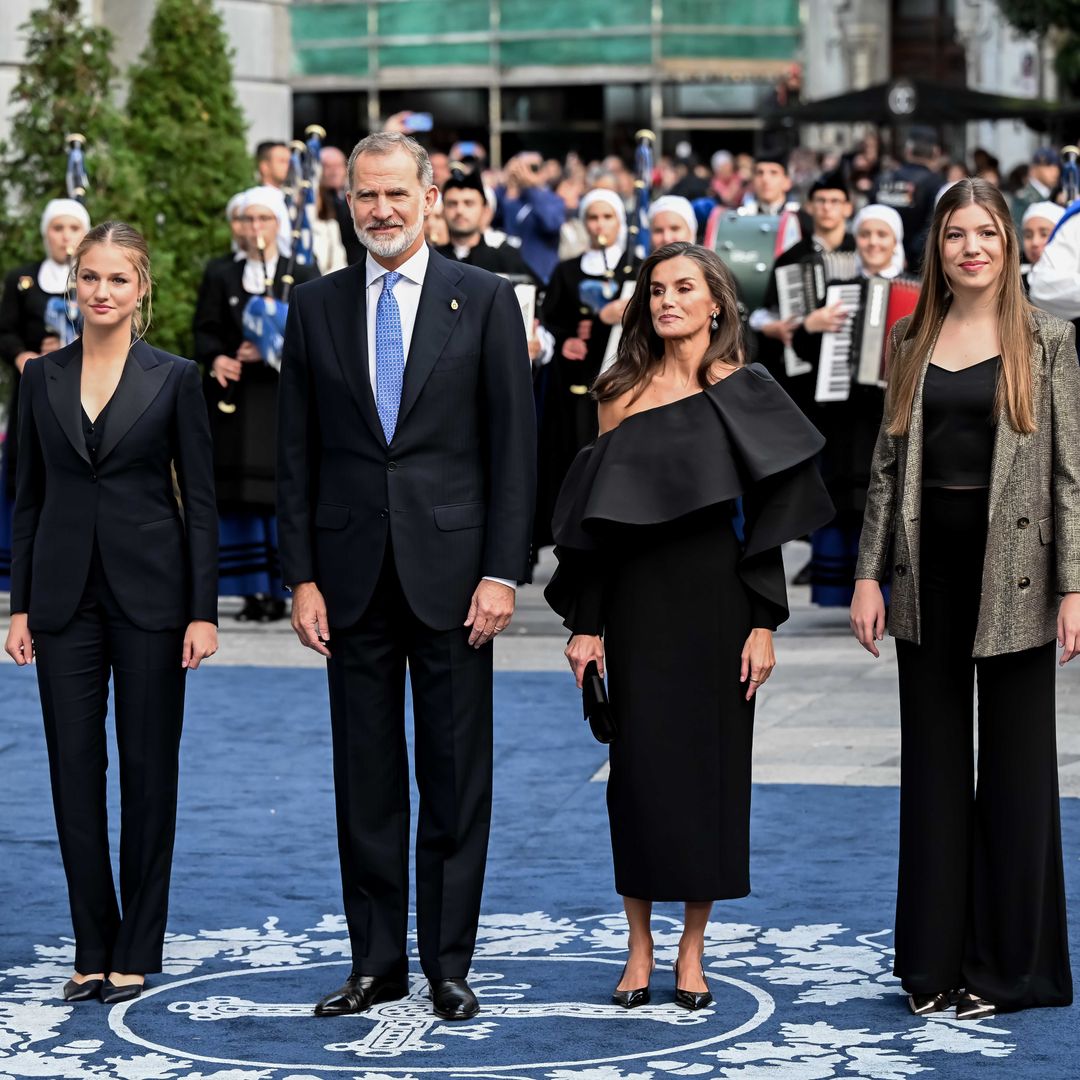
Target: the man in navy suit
(406, 481)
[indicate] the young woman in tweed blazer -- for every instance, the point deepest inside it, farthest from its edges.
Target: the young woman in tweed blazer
(974, 508)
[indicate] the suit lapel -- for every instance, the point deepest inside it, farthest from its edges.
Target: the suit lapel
(1006, 439)
(346, 316)
(141, 381)
(441, 301)
(63, 387)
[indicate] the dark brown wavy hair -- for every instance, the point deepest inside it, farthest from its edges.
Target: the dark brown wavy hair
(1014, 392)
(641, 350)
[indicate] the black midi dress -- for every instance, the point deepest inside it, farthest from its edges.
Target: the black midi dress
(649, 557)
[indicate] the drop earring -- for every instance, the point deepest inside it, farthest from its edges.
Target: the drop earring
(715, 324)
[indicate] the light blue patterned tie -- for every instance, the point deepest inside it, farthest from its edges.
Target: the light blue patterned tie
(389, 356)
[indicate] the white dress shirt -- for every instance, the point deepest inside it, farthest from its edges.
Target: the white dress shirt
(407, 293)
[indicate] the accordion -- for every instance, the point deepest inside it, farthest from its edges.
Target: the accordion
(859, 349)
(801, 288)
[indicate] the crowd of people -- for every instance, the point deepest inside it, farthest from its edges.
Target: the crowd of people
(505, 364)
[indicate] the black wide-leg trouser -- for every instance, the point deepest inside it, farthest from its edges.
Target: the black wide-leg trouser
(73, 667)
(981, 893)
(452, 709)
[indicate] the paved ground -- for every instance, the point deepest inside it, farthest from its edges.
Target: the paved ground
(829, 714)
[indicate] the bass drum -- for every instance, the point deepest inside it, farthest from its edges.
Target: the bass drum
(748, 245)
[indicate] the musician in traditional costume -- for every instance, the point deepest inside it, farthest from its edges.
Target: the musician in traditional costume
(465, 208)
(850, 423)
(236, 375)
(671, 221)
(830, 210)
(29, 327)
(580, 308)
(1036, 227)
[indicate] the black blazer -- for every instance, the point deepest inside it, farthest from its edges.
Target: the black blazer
(160, 561)
(456, 486)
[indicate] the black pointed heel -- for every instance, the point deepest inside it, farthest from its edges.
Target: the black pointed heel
(690, 999)
(82, 991)
(631, 999)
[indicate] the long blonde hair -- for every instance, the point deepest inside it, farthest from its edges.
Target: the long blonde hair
(1014, 391)
(134, 244)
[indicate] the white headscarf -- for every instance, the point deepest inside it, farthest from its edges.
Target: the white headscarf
(52, 275)
(254, 278)
(230, 208)
(1048, 210)
(676, 204)
(595, 261)
(888, 216)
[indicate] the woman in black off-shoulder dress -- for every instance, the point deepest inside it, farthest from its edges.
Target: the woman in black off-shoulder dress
(653, 574)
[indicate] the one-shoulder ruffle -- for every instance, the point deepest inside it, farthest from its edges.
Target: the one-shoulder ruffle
(742, 437)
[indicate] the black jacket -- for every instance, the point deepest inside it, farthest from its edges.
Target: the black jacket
(456, 486)
(160, 559)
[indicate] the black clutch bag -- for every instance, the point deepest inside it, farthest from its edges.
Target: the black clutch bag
(597, 708)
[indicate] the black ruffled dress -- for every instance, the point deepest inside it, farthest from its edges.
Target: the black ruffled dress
(649, 558)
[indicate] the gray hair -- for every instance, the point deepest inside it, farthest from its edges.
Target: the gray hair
(386, 142)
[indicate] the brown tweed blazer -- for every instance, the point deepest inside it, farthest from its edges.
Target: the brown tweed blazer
(1033, 534)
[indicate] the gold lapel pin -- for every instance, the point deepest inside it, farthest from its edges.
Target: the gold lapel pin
(453, 305)
(25, 283)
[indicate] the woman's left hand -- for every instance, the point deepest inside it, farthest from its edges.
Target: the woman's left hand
(200, 642)
(1068, 626)
(758, 660)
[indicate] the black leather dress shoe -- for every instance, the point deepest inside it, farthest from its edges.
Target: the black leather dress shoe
(925, 1004)
(453, 1000)
(82, 991)
(360, 992)
(113, 993)
(972, 1007)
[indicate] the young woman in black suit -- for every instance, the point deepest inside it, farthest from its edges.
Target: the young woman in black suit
(111, 573)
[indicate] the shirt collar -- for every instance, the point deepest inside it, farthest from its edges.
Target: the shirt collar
(414, 268)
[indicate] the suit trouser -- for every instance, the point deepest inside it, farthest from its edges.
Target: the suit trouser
(981, 894)
(452, 709)
(73, 676)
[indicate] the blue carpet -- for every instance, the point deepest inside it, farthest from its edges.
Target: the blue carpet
(800, 969)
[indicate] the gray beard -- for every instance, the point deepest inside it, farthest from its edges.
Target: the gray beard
(389, 248)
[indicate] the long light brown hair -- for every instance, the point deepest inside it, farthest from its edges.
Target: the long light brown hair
(122, 235)
(641, 350)
(1015, 336)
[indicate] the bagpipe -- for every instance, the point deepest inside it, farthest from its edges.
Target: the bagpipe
(265, 315)
(62, 316)
(1070, 186)
(596, 293)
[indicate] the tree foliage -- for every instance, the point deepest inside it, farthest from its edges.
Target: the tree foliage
(1044, 17)
(64, 86)
(190, 133)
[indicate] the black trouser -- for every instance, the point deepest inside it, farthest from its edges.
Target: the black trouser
(73, 676)
(981, 894)
(452, 709)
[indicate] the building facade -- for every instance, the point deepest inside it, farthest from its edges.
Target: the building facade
(549, 75)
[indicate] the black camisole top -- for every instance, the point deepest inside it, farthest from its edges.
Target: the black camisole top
(959, 425)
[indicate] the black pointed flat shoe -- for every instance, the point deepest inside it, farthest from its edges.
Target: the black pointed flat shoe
(925, 1004)
(82, 991)
(360, 992)
(972, 1007)
(113, 993)
(691, 999)
(631, 999)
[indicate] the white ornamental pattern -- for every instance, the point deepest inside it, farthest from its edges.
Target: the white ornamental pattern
(785, 981)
